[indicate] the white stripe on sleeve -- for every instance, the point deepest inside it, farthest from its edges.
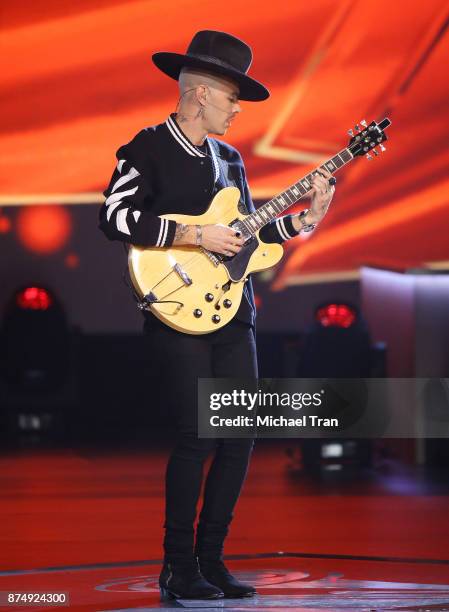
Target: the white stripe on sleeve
(122, 225)
(281, 229)
(164, 237)
(161, 232)
(120, 194)
(282, 221)
(110, 209)
(125, 178)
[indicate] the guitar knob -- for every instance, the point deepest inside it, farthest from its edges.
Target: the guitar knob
(197, 313)
(363, 122)
(208, 297)
(216, 319)
(382, 148)
(227, 303)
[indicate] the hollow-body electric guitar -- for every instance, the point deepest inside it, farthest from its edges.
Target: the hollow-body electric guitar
(196, 291)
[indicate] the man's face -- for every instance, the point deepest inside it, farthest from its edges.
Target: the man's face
(221, 105)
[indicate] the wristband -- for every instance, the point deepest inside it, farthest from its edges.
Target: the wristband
(199, 235)
(306, 227)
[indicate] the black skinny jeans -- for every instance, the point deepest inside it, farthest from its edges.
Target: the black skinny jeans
(228, 352)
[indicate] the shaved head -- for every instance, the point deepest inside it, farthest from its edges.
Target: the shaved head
(191, 79)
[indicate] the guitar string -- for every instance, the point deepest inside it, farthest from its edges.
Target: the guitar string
(185, 267)
(245, 221)
(188, 264)
(246, 225)
(263, 210)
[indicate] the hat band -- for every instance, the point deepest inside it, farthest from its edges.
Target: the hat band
(214, 60)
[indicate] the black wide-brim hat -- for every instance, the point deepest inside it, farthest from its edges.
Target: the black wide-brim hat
(219, 53)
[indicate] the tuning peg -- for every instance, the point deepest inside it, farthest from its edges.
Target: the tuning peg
(351, 132)
(368, 156)
(382, 148)
(363, 122)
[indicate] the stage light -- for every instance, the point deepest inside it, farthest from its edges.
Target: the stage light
(333, 467)
(336, 315)
(34, 298)
(337, 345)
(35, 366)
(72, 260)
(331, 450)
(44, 229)
(5, 224)
(35, 340)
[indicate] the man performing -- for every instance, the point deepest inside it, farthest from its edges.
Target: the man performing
(174, 167)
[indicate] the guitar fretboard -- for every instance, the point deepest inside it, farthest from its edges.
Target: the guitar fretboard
(271, 209)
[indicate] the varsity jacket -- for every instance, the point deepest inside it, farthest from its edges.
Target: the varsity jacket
(160, 171)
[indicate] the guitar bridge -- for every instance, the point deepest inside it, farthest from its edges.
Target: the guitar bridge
(182, 274)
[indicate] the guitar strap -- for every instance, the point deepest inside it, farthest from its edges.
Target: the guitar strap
(226, 176)
(215, 163)
(227, 179)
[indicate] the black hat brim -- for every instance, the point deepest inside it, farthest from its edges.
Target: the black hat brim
(172, 63)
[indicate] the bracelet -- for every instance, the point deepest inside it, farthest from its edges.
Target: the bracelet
(306, 227)
(199, 235)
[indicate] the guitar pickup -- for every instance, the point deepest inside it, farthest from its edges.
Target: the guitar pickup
(182, 274)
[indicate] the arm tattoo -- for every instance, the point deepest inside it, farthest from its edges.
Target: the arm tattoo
(181, 229)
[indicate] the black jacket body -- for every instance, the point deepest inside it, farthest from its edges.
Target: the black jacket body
(160, 172)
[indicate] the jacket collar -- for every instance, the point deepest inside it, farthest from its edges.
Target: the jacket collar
(182, 139)
(189, 147)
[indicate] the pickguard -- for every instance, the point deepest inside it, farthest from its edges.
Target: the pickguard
(237, 265)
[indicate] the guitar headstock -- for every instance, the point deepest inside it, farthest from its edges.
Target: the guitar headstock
(365, 138)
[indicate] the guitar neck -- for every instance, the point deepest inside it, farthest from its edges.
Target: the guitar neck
(274, 207)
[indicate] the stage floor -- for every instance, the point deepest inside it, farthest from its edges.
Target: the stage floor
(90, 524)
(282, 581)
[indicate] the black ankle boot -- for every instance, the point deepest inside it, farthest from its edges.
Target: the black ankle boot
(183, 580)
(216, 573)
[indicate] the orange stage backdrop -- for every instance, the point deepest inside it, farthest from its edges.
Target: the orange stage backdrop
(78, 81)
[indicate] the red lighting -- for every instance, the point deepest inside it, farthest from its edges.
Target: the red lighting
(44, 229)
(257, 301)
(336, 315)
(34, 298)
(72, 260)
(5, 224)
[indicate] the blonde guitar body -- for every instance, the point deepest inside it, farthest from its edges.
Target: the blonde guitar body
(195, 291)
(192, 290)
